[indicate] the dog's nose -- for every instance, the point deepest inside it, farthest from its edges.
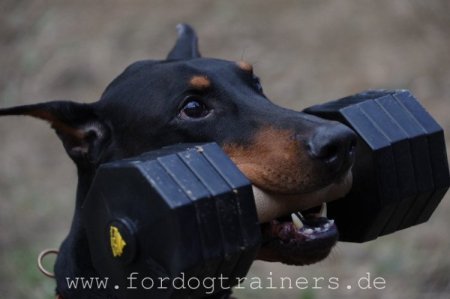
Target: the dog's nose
(334, 145)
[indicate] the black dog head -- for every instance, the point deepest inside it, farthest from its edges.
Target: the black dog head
(187, 98)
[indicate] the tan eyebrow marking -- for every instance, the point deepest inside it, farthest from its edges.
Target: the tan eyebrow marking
(200, 82)
(245, 66)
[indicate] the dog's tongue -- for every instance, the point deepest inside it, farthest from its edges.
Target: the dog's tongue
(270, 206)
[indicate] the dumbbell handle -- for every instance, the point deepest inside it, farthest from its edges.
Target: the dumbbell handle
(270, 206)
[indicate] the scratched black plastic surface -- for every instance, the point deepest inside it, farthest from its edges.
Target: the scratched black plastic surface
(227, 210)
(205, 213)
(419, 162)
(242, 191)
(437, 151)
(190, 208)
(421, 157)
(123, 193)
(383, 167)
(250, 230)
(406, 181)
(375, 180)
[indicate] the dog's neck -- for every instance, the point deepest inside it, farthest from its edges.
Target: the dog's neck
(85, 178)
(74, 258)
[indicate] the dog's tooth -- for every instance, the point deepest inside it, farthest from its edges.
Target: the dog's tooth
(308, 231)
(300, 215)
(296, 220)
(323, 210)
(326, 226)
(331, 221)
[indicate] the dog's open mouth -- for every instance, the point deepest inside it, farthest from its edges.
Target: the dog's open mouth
(293, 232)
(298, 239)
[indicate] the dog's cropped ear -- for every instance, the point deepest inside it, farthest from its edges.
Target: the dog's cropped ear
(81, 131)
(186, 46)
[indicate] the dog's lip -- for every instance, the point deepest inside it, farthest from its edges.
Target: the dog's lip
(270, 206)
(286, 243)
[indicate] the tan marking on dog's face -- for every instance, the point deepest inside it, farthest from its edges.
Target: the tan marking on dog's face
(245, 66)
(200, 82)
(275, 161)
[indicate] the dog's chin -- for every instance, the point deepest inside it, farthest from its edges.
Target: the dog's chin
(308, 236)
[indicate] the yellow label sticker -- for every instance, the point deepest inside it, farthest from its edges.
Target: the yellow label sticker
(117, 242)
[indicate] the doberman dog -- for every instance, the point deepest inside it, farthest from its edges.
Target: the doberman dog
(292, 156)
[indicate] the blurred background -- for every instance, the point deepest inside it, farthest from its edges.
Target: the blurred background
(305, 52)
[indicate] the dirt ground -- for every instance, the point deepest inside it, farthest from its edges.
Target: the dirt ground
(305, 52)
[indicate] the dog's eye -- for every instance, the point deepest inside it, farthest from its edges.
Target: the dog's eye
(193, 108)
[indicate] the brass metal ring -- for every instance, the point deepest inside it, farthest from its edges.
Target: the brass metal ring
(41, 257)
